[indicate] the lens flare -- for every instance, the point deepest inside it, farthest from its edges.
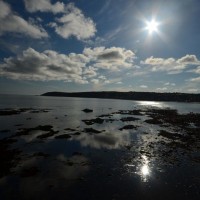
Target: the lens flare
(152, 26)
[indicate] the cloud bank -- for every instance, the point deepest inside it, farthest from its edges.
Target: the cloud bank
(78, 68)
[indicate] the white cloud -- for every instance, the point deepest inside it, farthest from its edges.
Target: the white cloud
(169, 84)
(90, 72)
(5, 9)
(44, 6)
(144, 86)
(108, 82)
(171, 65)
(113, 58)
(189, 60)
(193, 90)
(161, 89)
(11, 22)
(52, 24)
(196, 71)
(78, 68)
(102, 80)
(95, 81)
(95, 42)
(71, 23)
(137, 73)
(48, 65)
(119, 83)
(74, 23)
(102, 77)
(195, 79)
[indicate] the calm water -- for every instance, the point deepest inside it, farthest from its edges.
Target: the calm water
(113, 164)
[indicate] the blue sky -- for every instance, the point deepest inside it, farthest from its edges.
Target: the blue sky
(93, 45)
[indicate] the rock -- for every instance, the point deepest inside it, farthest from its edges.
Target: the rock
(128, 112)
(127, 127)
(128, 147)
(21, 110)
(69, 129)
(153, 121)
(93, 121)
(169, 135)
(110, 120)
(64, 136)
(77, 133)
(91, 130)
(88, 122)
(86, 110)
(9, 112)
(128, 119)
(106, 115)
(46, 135)
(25, 131)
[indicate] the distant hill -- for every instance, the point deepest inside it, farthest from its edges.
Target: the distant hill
(143, 96)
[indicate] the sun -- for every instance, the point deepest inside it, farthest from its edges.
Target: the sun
(152, 26)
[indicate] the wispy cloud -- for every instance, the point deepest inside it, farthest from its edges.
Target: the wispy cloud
(105, 39)
(105, 7)
(170, 84)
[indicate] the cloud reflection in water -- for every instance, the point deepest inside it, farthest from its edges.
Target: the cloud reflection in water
(106, 140)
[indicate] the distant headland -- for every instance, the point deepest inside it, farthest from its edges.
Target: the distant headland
(137, 96)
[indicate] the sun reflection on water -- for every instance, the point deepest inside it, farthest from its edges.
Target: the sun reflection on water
(151, 103)
(144, 170)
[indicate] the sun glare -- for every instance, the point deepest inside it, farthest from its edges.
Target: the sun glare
(152, 26)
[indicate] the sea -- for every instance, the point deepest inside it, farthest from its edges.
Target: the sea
(52, 149)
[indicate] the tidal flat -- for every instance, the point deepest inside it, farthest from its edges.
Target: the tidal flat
(50, 148)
